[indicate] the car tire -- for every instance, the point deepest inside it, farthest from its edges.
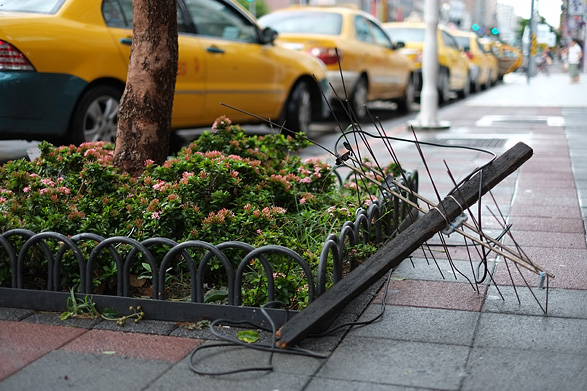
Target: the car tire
(476, 84)
(488, 81)
(298, 111)
(466, 91)
(443, 86)
(95, 117)
(359, 99)
(404, 105)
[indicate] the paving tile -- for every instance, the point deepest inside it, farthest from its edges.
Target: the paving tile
(523, 370)
(418, 324)
(540, 333)
(321, 384)
(290, 372)
(145, 326)
(7, 313)
(563, 240)
(61, 370)
(441, 270)
(555, 211)
(434, 294)
(547, 224)
(563, 303)
(399, 363)
(569, 267)
(22, 343)
(133, 345)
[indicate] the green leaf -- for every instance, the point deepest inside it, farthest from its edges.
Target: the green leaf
(65, 315)
(110, 313)
(215, 295)
(248, 336)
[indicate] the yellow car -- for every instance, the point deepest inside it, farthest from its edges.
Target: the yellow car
(509, 58)
(63, 67)
(483, 66)
(362, 63)
(453, 68)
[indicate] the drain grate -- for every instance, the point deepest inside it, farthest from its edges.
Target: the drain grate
(473, 142)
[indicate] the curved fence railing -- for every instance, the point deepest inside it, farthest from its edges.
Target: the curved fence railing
(382, 220)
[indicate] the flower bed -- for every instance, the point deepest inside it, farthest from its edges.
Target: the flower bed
(279, 222)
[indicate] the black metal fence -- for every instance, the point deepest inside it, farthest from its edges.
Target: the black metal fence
(381, 221)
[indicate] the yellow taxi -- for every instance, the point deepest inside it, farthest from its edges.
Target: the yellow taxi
(483, 66)
(508, 57)
(363, 65)
(63, 67)
(453, 67)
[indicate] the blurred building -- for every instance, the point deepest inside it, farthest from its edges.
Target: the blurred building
(507, 23)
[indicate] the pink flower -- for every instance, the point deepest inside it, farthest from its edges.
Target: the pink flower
(149, 162)
(306, 180)
(156, 215)
(160, 185)
(3, 200)
(43, 191)
(302, 200)
(26, 189)
(234, 174)
(64, 190)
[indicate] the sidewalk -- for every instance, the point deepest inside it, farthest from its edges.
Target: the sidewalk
(436, 333)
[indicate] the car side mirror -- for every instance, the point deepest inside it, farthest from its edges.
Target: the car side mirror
(399, 45)
(269, 35)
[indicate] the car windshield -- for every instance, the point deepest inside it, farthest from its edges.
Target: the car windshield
(406, 34)
(328, 23)
(37, 6)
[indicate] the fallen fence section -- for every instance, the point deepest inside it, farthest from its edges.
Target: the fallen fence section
(328, 305)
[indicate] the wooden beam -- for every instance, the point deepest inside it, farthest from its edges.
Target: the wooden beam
(331, 302)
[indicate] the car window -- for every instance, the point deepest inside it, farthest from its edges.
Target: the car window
(37, 6)
(449, 41)
(381, 38)
(463, 42)
(481, 47)
(362, 30)
(118, 13)
(303, 22)
(215, 19)
(406, 34)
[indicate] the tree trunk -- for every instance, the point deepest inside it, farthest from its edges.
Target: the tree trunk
(144, 117)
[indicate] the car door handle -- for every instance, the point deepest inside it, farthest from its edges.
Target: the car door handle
(126, 41)
(214, 49)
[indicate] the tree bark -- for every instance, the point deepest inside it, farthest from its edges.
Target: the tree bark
(144, 117)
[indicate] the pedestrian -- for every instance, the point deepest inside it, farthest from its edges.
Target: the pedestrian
(574, 56)
(545, 61)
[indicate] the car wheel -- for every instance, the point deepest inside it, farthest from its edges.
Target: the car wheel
(359, 99)
(476, 85)
(404, 105)
(489, 80)
(466, 88)
(443, 86)
(96, 115)
(298, 112)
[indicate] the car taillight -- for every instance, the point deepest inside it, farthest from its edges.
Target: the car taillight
(327, 55)
(11, 59)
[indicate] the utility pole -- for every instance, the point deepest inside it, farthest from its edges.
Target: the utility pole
(428, 116)
(531, 66)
